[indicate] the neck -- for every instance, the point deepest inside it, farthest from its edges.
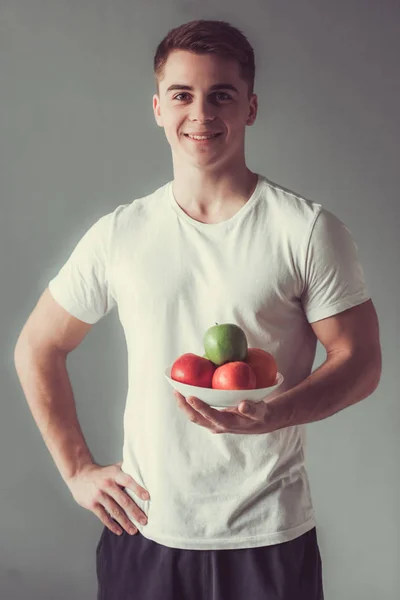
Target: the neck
(213, 196)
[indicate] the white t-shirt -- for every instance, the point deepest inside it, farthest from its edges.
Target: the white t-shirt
(278, 264)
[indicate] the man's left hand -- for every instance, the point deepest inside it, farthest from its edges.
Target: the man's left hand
(228, 420)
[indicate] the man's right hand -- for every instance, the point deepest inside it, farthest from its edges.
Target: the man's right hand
(99, 489)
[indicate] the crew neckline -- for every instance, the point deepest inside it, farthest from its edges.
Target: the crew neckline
(222, 224)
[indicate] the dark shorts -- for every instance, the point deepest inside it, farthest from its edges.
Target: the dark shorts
(133, 567)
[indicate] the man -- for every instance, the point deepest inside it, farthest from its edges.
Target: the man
(225, 494)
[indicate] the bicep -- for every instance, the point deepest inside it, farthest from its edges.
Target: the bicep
(353, 331)
(51, 327)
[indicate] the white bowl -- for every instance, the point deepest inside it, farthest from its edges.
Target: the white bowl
(222, 398)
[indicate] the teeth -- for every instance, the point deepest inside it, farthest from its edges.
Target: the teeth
(202, 137)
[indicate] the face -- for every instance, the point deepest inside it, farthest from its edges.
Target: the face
(204, 95)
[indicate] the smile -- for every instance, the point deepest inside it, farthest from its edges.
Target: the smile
(202, 137)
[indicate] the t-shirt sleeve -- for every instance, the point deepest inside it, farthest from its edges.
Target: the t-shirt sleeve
(82, 286)
(333, 276)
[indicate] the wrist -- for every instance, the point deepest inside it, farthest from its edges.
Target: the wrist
(77, 468)
(275, 413)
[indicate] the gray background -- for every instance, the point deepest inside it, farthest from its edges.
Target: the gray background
(78, 137)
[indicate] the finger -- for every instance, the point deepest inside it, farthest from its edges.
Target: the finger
(125, 502)
(118, 514)
(219, 419)
(233, 420)
(105, 518)
(127, 481)
(193, 415)
(252, 410)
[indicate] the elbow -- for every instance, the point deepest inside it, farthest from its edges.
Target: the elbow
(24, 350)
(21, 353)
(19, 350)
(377, 379)
(374, 368)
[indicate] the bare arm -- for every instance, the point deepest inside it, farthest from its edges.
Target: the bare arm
(40, 360)
(350, 373)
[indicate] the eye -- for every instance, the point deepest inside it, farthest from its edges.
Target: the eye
(225, 96)
(181, 94)
(219, 96)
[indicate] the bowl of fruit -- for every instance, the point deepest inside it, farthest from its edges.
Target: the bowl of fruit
(228, 372)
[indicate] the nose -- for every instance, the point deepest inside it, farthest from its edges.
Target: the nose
(201, 111)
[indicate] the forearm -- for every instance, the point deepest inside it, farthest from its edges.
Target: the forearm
(338, 383)
(48, 391)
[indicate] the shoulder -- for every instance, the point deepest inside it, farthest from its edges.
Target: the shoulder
(289, 203)
(134, 214)
(293, 213)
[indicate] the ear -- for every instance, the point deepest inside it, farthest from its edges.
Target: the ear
(253, 107)
(157, 110)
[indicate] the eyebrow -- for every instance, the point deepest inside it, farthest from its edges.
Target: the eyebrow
(217, 86)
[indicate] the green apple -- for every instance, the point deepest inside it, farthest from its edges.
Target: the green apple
(225, 343)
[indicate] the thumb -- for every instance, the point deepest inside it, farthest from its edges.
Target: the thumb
(248, 408)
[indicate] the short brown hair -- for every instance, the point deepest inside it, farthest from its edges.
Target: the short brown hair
(208, 37)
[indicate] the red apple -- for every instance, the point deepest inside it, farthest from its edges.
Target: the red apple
(193, 369)
(236, 375)
(263, 365)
